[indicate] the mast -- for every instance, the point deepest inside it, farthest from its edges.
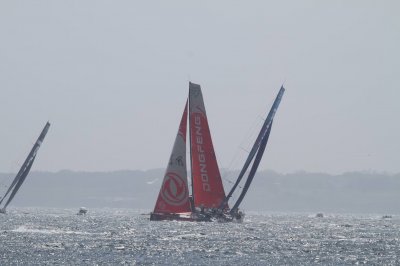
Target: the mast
(256, 146)
(25, 168)
(253, 170)
(190, 148)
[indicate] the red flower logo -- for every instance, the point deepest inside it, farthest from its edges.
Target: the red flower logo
(174, 189)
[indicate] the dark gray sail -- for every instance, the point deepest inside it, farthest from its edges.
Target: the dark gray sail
(256, 146)
(24, 171)
(253, 170)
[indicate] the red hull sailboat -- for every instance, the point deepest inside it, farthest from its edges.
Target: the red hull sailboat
(207, 201)
(174, 202)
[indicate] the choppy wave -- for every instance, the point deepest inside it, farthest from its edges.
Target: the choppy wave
(27, 229)
(54, 237)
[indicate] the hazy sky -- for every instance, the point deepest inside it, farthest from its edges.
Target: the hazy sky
(112, 78)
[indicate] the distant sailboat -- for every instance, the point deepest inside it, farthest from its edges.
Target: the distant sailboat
(82, 211)
(23, 172)
(208, 200)
(256, 153)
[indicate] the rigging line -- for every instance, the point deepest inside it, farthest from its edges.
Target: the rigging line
(230, 181)
(234, 161)
(253, 170)
(249, 135)
(257, 123)
(243, 149)
(257, 144)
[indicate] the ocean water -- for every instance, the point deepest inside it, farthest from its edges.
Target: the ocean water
(35, 236)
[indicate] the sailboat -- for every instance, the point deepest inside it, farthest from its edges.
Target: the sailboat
(23, 171)
(254, 157)
(208, 200)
